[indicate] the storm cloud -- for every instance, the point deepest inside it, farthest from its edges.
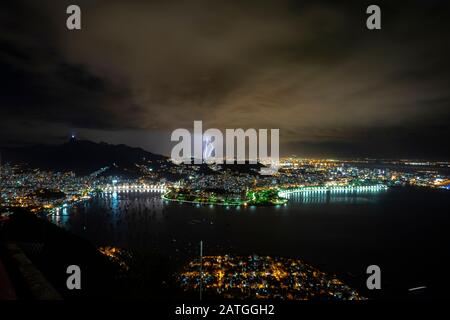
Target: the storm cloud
(139, 69)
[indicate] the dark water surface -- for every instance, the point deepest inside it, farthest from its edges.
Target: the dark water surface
(404, 231)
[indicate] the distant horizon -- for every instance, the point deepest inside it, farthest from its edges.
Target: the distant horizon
(308, 157)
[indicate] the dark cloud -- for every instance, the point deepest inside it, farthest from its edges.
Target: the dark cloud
(310, 68)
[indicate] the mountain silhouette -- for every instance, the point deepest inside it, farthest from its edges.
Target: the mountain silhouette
(80, 156)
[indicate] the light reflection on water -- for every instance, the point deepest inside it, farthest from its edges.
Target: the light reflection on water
(337, 232)
(143, 220)
(343, 197)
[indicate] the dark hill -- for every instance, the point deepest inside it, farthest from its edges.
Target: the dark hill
(80, 156)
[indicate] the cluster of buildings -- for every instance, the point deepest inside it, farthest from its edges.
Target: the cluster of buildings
(36, 190)
(262, 277)
(226, 180)
(297, 173)
(116, 255)
(360, 172)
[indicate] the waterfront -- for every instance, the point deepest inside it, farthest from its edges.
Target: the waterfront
(403, 230)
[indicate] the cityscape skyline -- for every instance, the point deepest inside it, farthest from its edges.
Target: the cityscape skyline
(224, 156)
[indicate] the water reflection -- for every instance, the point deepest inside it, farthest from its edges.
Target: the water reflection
(342, 197)
(343, 231)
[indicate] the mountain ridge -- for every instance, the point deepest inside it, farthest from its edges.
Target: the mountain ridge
(79, 156)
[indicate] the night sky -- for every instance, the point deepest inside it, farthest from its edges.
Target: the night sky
(139, 69)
